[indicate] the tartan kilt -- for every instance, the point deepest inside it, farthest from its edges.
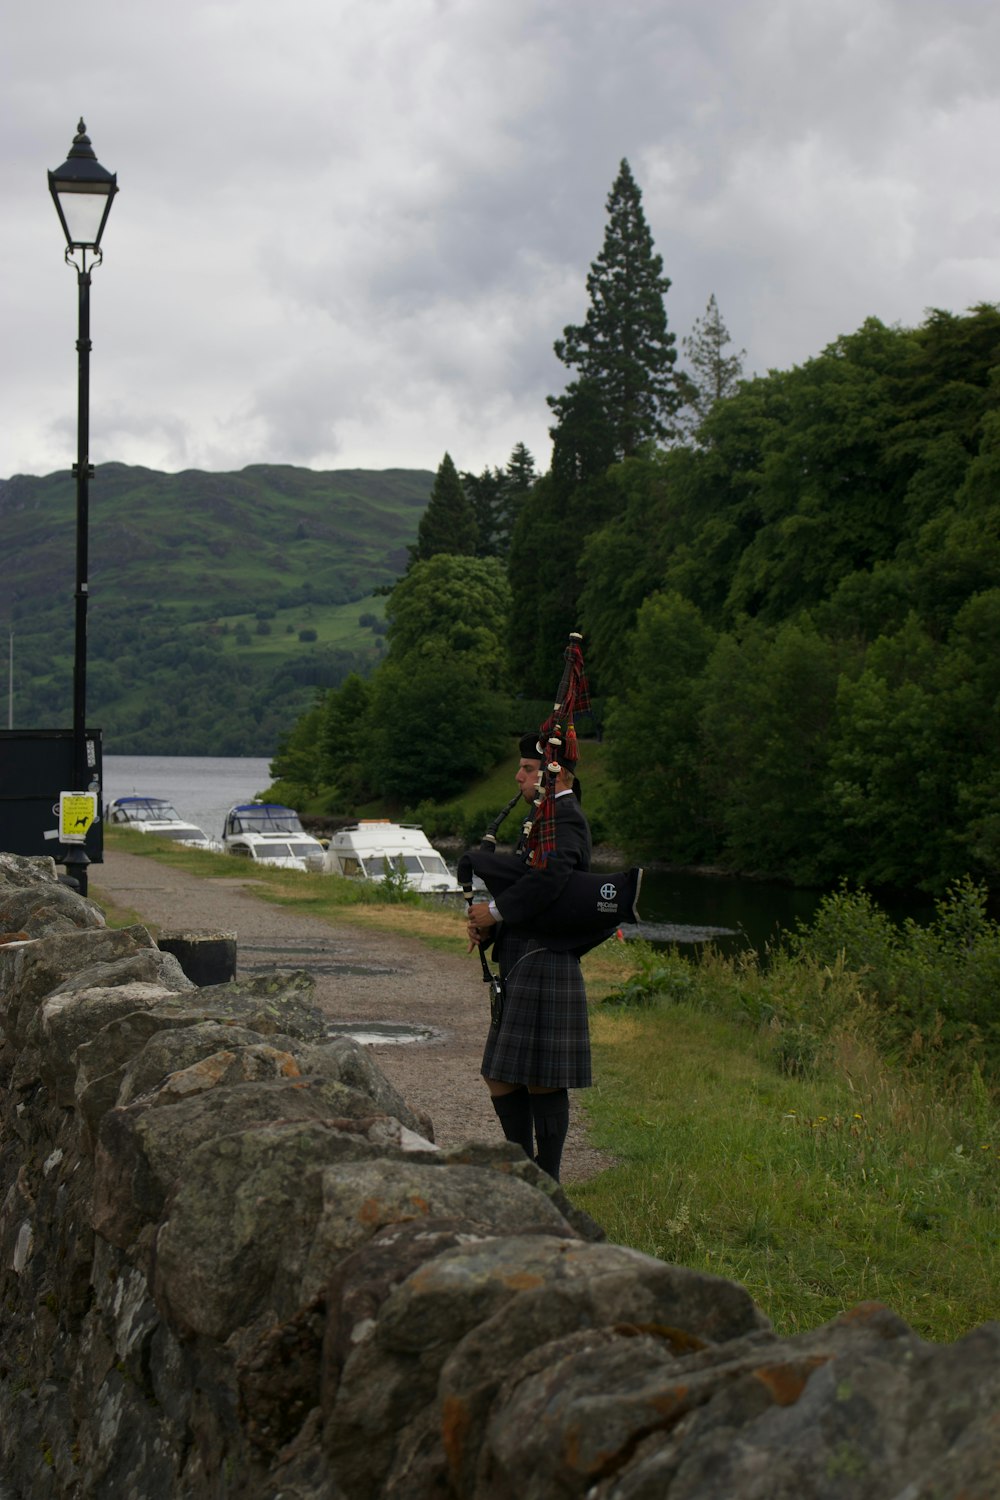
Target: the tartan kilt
(543, 1037)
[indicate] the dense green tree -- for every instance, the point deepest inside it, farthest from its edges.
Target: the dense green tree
(584, 443)
(437, 709)
(656, 752)
(827, 505)
(496, 496)
(520, 478)
(864, 488)
(461, 604)
(623, 351)
(713, 374)
(434, 723)
(485, 495)
(972, 671)
(543, 588)
(768, 706)
(298, 760)
(448, 524)
(343, 740)
(890, 778)
(957, 550)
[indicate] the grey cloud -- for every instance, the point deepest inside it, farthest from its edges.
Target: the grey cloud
(351, 233)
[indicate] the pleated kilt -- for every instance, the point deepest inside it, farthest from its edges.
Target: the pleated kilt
(543, 1037)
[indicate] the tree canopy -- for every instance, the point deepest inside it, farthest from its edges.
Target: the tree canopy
(838, 530)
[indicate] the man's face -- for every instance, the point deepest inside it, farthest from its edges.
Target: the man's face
(526, 776)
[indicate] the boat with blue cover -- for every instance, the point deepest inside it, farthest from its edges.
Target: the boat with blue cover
(154, 815)
(271, 834)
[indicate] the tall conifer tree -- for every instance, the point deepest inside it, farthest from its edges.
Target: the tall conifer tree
(449, 523)
(714, 373)
(520, 478)
(623, 350)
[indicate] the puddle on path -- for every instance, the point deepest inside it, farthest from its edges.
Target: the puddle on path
(384, 1033)
(318, 960)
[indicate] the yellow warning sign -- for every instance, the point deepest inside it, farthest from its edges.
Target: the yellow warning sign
(77, 810)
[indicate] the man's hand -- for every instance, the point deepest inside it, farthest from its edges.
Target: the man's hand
(479, 923)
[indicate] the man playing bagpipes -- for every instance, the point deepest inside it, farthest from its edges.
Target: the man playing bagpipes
(543, 913)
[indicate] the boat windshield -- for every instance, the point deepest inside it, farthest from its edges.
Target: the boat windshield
(147, 810)
(266, 819)
(434, 865)
(380, 864)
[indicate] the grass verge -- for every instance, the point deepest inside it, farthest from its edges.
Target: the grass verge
(382, 904)
(816, 1184)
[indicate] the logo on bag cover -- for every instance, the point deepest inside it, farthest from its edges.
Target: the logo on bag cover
(609, 898)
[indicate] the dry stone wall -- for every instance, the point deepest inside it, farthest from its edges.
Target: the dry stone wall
(233, 1262)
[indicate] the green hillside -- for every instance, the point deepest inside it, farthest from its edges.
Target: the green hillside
(218, 602)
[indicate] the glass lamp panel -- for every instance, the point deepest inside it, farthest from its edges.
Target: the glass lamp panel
(83, 212)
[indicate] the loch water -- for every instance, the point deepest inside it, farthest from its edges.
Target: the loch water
(201, 787)
(689, 909)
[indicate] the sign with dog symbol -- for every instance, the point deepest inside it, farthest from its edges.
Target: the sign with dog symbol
(77, 810)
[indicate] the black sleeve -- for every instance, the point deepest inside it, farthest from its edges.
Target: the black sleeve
(537, 889)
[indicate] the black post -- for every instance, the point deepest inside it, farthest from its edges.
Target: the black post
(82, 191)
(83, 471)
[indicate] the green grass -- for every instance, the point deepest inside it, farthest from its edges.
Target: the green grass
(816, 1185)
(334, 624)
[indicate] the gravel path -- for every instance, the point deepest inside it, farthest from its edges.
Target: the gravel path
(361, 976)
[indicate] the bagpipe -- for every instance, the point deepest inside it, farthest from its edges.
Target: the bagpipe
(465, 873)
(589, 908)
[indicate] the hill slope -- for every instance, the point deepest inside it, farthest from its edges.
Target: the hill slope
(218, 602)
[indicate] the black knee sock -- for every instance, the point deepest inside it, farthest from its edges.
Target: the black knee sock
(514, 1113)
(551, 1117)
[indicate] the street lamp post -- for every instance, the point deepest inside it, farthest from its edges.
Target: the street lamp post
(82, 191)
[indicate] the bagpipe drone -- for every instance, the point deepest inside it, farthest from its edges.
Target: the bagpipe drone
(589, 908)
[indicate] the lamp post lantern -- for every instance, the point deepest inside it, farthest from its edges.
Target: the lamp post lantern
(82, 191)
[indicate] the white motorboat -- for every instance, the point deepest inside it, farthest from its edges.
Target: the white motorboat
(367, 850)
(271, 835)
(155, 815)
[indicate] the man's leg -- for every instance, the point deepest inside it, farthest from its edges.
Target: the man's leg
(513, 1110)
(550, 1114)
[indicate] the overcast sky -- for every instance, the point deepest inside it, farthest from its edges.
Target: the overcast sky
(348, 231)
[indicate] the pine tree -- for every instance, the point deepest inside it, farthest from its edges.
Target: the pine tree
(484, 493)
(520, 471)
(623, 351)
(448, 524)
(496, 496)
(715, 375)
(519, 480)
